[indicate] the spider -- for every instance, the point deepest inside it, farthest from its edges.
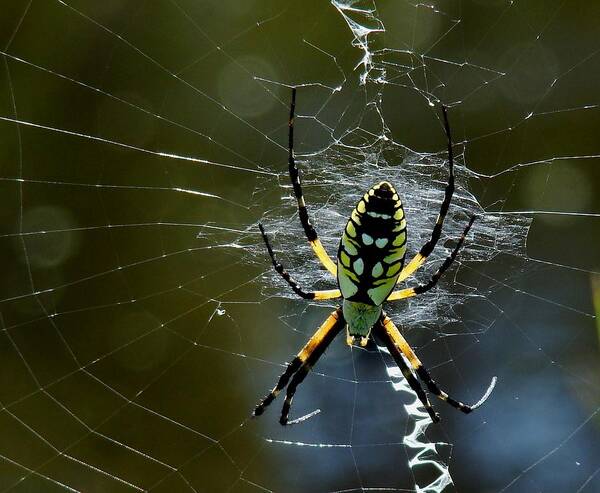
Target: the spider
(370, 263)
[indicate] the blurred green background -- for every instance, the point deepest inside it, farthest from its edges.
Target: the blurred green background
(139, 144)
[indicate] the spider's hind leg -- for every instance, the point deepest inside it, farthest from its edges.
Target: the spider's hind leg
(309, 229)
(421, 257)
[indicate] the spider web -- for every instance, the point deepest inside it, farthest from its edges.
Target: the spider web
(141, 322)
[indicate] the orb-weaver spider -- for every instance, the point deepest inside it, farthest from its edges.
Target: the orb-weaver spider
(370, 263)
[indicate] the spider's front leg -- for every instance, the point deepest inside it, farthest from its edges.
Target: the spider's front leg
(380, 332)
(392, 336)
(302, 363)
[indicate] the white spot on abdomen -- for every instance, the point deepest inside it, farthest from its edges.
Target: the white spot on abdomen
(377, 270)
(381, 242)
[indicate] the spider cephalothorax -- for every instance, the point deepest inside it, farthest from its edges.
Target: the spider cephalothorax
(370, 264)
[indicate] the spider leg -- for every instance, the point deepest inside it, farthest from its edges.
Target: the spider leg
(328, 294)
(301, 364)
(311, 360)
(399, 342)
(380, 332)
(435, 389)
(309, 230)
(420, 258)
(422, 288)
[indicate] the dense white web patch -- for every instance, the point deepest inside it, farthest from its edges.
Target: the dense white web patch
(140, 318)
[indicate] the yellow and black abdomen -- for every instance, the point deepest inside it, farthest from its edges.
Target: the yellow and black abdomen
(373, 247)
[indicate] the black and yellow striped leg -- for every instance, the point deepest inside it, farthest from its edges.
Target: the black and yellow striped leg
(380, 332)
(435, 390)
(428, 247)
(281, 383)
(302, 363)
(327, 294)
(312, 359)
(309, 230)
(422, 288)
(400, 343)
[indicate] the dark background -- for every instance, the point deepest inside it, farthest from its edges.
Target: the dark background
(137, 330)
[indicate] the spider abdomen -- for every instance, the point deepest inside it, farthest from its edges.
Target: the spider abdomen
(373, 246)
